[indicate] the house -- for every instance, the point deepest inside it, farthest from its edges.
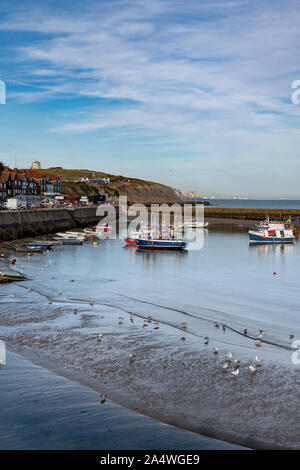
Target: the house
(26, 182)
(49, 184)
(16, 183)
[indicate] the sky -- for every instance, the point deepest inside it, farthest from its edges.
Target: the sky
(195, 94)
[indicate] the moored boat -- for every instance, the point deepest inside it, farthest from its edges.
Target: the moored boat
(130, 241)
(161, 244)
(72, 241)
(4, 278)
(272, 232)
(40, 244)
(192, 223)
(26, 249)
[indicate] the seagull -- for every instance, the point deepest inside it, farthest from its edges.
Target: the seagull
(100, 335)
(217, 324)
(131, 356)
(292, 336)
(103, 399)
(50, 301)
(216, 350)
(75, 311)
(260, 330)
(252, 369)
(183, 325)
(183, 336)
(258, 360)
(259, 336)
(131, 319)
(245, 331)
(225, 366)
(257, 342)
(121, 318)
(228, 356)
(59, 292)
(206, 340)
(156, 328)
(236, 372)
(29, 289)
(224, 327)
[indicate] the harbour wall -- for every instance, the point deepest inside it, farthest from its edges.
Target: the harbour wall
(31, 223)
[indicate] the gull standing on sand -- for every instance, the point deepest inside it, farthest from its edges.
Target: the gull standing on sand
(252, 369)
(131, 357)
(228, 357)
(206, 339)
(215, 350)
(258, 360)
(217, 324)
(103, 399)
(236, 372)
(183, 336)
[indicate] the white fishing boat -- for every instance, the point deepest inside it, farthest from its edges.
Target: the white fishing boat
(272, 232)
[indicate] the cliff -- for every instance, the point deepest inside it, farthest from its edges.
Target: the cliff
(136, 190)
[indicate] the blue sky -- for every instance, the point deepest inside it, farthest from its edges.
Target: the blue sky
(194, 94)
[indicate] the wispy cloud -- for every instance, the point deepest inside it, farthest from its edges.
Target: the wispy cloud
(214, 76)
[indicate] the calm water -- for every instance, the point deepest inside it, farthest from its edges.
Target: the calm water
(176, 381)
(256, 203)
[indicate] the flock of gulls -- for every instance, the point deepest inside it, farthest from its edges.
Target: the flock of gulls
(229, 365)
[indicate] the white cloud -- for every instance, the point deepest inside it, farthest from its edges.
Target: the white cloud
(214, 77)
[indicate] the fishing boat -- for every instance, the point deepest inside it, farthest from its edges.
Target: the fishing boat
(161, 244)
(40, 244)
(272, 232)
(4, 278)
(26, 249)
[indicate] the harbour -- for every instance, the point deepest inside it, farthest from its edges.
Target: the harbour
(159, 307)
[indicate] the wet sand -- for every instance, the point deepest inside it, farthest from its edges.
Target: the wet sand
(179, 382)
(41, 410)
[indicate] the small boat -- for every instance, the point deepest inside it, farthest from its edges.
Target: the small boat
(272, 232)
(89, 231)
(40, 244)
(192, 223)
(72, 241)
(26, 249)
(130, 241)
(4, 278)
(161, 244)
(102, 228)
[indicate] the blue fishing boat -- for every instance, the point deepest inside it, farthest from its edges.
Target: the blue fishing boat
(272, 232)
(161, 244)
(40, 244)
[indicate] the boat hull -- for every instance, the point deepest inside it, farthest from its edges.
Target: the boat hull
(130, 241)
(253, 238)
(45, 246)
(161, 244)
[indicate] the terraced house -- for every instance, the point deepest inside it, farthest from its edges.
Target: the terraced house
(26, 182)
